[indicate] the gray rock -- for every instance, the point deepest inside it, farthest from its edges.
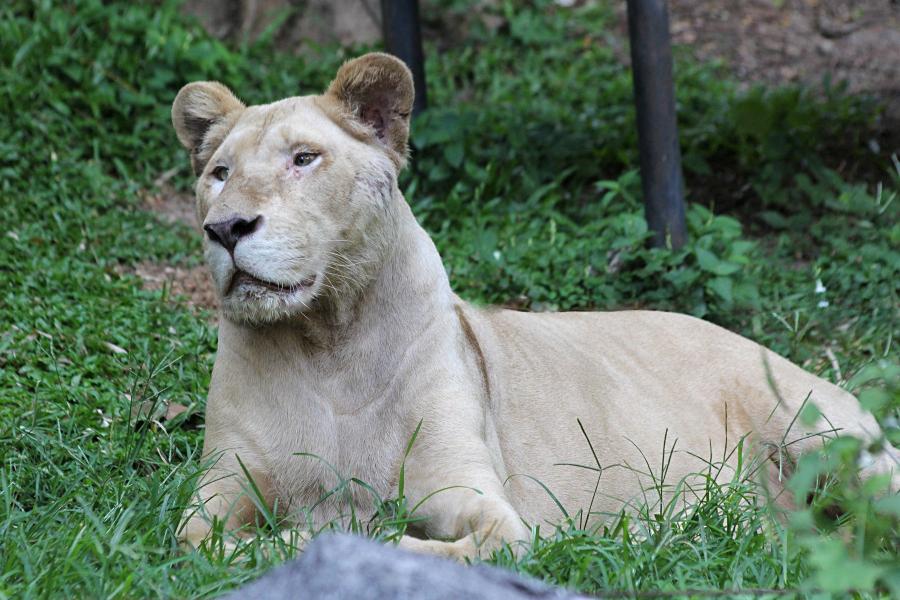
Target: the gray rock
(342, 566)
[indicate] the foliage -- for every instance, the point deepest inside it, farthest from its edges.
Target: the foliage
(850, 528)
(524, 174)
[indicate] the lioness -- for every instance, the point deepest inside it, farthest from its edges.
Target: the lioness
(340, 335)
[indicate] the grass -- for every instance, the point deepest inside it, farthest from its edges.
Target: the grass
(524, 173)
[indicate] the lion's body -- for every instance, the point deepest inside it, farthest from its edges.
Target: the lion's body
(340, 335)
(644, 379)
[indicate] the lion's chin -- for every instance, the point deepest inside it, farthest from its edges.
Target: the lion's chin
(252, 301)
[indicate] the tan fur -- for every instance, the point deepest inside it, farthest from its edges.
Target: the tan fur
(346, 368)
(374, 87)
(202, 115)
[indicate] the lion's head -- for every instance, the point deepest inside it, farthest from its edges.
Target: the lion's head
(294, 196)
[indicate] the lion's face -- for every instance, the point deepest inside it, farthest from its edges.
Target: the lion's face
(292, 195)
(283, 201)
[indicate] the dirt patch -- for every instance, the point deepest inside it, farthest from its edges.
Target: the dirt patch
(799, 41)
(194, 284)
(170, 205)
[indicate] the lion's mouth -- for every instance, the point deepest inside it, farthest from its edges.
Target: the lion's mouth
(243, 278)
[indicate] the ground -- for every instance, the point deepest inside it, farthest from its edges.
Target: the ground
(798, 41)
(525, 176)
(191, 283)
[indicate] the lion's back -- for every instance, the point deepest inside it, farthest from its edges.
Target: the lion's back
(634, 379)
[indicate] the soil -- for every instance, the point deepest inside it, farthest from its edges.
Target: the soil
(171, 206)
(799, 41)
(192, 285)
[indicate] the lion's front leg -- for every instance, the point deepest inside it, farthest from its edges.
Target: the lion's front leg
(224, 496)
(494, 523)
(217, 500)
(463, 501)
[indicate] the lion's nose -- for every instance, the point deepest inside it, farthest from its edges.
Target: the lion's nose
(229, 232)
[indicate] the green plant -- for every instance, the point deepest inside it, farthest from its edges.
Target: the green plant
(523, 172)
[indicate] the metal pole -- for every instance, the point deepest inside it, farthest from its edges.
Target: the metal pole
(403, 39)
(654, 93)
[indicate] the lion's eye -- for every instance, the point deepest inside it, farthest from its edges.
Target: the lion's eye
(220, 173)
(303, 159)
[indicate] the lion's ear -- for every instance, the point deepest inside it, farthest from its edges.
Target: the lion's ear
(197, 108)
(376, 89)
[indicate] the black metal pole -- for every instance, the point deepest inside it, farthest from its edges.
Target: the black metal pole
(403, 39)
(654, 93)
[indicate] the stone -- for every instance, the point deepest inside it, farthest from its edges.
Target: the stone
(340, 566)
